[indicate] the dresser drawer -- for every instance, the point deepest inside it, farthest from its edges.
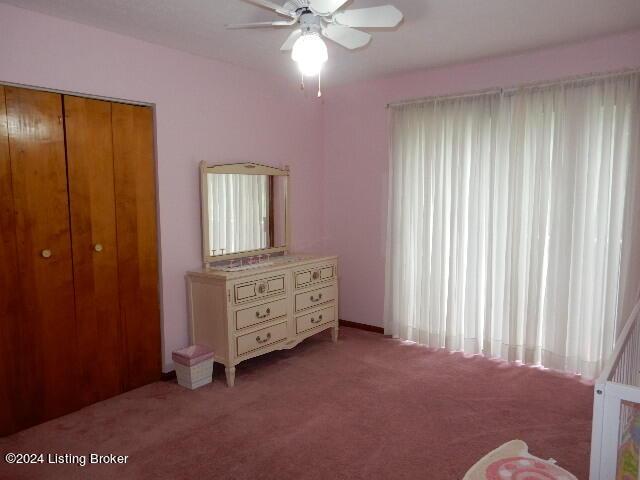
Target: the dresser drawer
(260, 313)
(315, 319)
(261, 338)
(256, 289)
(315, 297)
(315, 274)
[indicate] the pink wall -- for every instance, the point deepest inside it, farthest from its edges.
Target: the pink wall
(356, 150)
(205, 110)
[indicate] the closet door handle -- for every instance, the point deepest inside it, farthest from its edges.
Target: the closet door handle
(266, 314)
(46, 253)
(98, 247)
(266, 339)
(316, 299)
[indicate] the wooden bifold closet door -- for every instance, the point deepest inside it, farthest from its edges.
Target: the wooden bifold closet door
(78, 254)
(40, 343)
(135, 189)
(95, 248)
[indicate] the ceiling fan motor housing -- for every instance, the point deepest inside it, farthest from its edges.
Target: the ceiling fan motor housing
(310, 22)
(295, 5)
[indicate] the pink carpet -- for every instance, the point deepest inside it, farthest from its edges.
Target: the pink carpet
(367, 408)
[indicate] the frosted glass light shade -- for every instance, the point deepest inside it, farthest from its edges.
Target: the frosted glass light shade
(310, 53)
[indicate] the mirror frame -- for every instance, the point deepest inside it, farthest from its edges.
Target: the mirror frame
(241, 169)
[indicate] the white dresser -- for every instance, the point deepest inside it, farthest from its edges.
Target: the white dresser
(246, 313)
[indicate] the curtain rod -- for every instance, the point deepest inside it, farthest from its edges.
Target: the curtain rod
(502, 90)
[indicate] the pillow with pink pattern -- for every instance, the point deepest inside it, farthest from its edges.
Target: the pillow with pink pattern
(512, 461)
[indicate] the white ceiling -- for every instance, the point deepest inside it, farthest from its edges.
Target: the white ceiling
(434, 32)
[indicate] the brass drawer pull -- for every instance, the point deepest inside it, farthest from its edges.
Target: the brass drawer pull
(316, 275)
(266, 339)
(265, 315)
(313, 320)
(316, 299)
(46, 253)
(262, 288)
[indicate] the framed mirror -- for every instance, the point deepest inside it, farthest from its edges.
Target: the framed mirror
(245, 210)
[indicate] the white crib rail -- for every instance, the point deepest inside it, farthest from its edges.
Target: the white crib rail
(618, 382)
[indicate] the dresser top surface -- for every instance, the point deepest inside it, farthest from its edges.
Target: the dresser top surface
(274, 264)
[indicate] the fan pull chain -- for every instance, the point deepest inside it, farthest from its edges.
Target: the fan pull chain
(301, 82)
(320, 83)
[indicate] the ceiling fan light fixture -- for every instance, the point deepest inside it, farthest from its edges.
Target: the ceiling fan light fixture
(310, 53)
(312, 17)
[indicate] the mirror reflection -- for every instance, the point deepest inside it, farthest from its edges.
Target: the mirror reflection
(246, 212)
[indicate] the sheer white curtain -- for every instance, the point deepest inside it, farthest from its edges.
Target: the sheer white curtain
(239, 207)
(513, 222)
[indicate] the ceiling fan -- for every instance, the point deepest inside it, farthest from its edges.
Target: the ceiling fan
(313, 18)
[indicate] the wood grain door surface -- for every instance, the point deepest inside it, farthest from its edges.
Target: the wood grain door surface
(43, 343)
(95, 247)
(10, 311)
(135, 187)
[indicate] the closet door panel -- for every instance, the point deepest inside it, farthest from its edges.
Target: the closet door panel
(45, 347)
(10, 408)
(134, 169)
(95, 255)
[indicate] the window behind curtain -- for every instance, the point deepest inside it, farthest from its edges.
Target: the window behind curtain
(513, 222)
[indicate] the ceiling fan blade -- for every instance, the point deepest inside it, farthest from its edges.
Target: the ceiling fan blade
(326, 7)
(282, 23)
(288, 44)
(273, 6)
(386, 16)
(347, 37)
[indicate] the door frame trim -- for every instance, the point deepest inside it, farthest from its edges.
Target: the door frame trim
(78, 94)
